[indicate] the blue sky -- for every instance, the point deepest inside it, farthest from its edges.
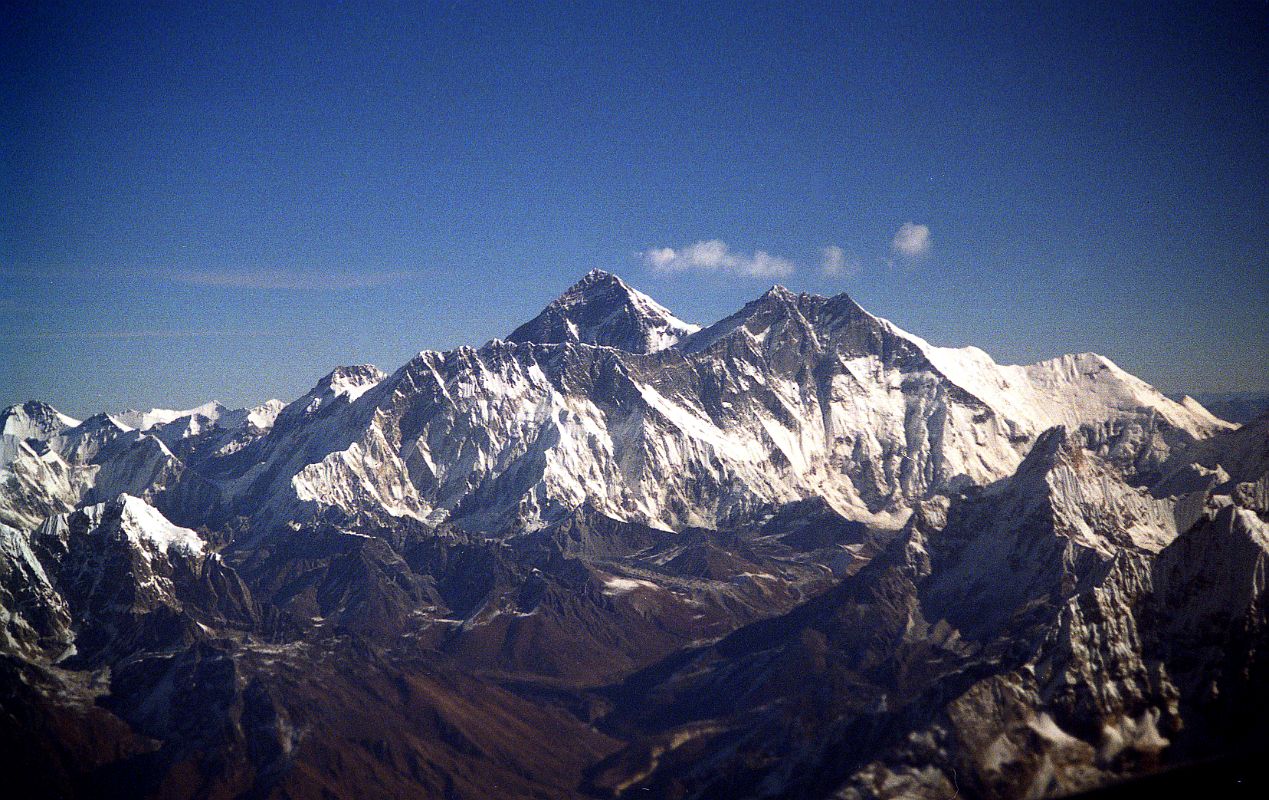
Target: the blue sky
(199, 201)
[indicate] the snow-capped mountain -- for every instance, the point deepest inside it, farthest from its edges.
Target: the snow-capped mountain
(601, 309)
(793, 397)
(79, 571)
(797, 552)
(51, 463)
(34, 420)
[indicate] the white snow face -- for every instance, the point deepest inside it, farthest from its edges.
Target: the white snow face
(146, 527)
(127, 518)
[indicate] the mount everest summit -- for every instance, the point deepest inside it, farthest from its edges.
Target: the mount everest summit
(798, 552)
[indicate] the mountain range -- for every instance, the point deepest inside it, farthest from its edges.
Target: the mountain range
(798, 552)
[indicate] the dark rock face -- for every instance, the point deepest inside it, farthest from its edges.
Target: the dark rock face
(936, 670)
(797, 553)
(420, 661)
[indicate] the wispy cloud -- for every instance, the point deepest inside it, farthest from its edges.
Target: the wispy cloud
(136, 334)
(835, 263)
(284, 279)
(911, 240)
(715, 256)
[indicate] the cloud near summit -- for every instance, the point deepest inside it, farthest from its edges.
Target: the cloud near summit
(715, 256)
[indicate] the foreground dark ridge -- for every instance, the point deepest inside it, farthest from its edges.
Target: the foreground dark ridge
(799, 552)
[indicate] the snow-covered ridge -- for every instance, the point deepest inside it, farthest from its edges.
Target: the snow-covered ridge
(719, 425)
(198, 420)
(144, 420)
(352, 382)
(608, 400)
(260, 417)
(349, 383)
(40, 421)
(1068, 390)
(51, 463)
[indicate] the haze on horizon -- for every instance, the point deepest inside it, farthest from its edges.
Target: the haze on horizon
(200, 204)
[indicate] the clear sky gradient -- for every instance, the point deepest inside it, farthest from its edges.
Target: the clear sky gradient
(205, 202)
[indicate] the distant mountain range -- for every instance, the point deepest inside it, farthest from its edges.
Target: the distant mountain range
(798, 552)
(1237, 407)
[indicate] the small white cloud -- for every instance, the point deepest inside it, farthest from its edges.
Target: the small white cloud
(912, 240)
(660, 258)
(715, 255)
(765, 265)
(835, 263)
